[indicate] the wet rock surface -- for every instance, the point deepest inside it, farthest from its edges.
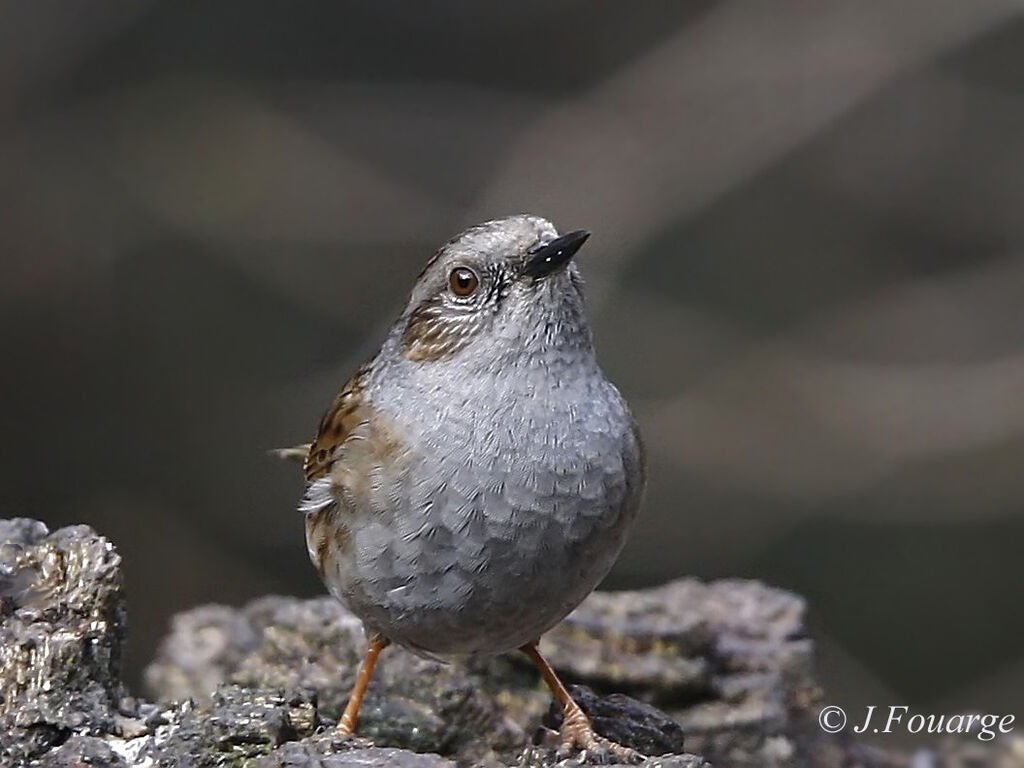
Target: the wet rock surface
(722, 670)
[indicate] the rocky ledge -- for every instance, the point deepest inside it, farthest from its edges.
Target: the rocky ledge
(721, 670)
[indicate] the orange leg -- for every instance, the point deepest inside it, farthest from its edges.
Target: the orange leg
(576, 732)
(347, 724)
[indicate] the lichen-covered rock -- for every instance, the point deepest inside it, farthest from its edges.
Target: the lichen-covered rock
(276, 642)
(413, 703)
(82, 751)
(239, 724)
(268, 680)
(536, 757)
(326, 751)
(61, 631)
(208, 641)
(261, 686)
(730, 660)
(644, 642)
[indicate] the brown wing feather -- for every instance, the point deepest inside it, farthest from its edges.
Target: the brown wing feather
(338, 422)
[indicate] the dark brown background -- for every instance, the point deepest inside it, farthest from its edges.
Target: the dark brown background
(806, 274)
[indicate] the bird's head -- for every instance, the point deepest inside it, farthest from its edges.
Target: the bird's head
(504, 285)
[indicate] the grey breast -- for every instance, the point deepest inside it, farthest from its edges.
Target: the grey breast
(512, 499)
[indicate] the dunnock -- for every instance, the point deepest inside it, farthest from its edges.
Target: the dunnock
(473, 483)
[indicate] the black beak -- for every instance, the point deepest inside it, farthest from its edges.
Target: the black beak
(545, 258)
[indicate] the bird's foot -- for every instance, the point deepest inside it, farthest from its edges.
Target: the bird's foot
(346, 738)
(346, 731)
(577, 735)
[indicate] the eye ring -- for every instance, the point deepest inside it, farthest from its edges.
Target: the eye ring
(463, 281)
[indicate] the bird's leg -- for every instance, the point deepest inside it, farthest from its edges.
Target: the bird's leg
(347, 724)
(577, 732)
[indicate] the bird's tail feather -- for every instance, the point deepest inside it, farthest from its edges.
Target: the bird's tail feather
(295, 453)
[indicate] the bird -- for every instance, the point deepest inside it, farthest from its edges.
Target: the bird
(475, 481)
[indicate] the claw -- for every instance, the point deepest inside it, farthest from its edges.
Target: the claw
(577, 734)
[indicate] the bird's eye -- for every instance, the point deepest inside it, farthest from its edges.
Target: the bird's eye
(463, 281)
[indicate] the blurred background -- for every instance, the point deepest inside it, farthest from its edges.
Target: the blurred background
(806, 274)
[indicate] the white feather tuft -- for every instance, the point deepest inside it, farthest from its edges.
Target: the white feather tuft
(319, 495)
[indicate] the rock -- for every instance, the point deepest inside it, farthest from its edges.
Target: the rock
(413, 703)
(238, 724)
(643, 642)
(276, 642)
(63, 618)
(324, 751)
(209, 640)
(81, 751)
(730, 660)
(625, 721)
(545, 758)
(261, 686)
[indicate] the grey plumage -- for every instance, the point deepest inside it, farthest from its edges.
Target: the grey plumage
(480, 475)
